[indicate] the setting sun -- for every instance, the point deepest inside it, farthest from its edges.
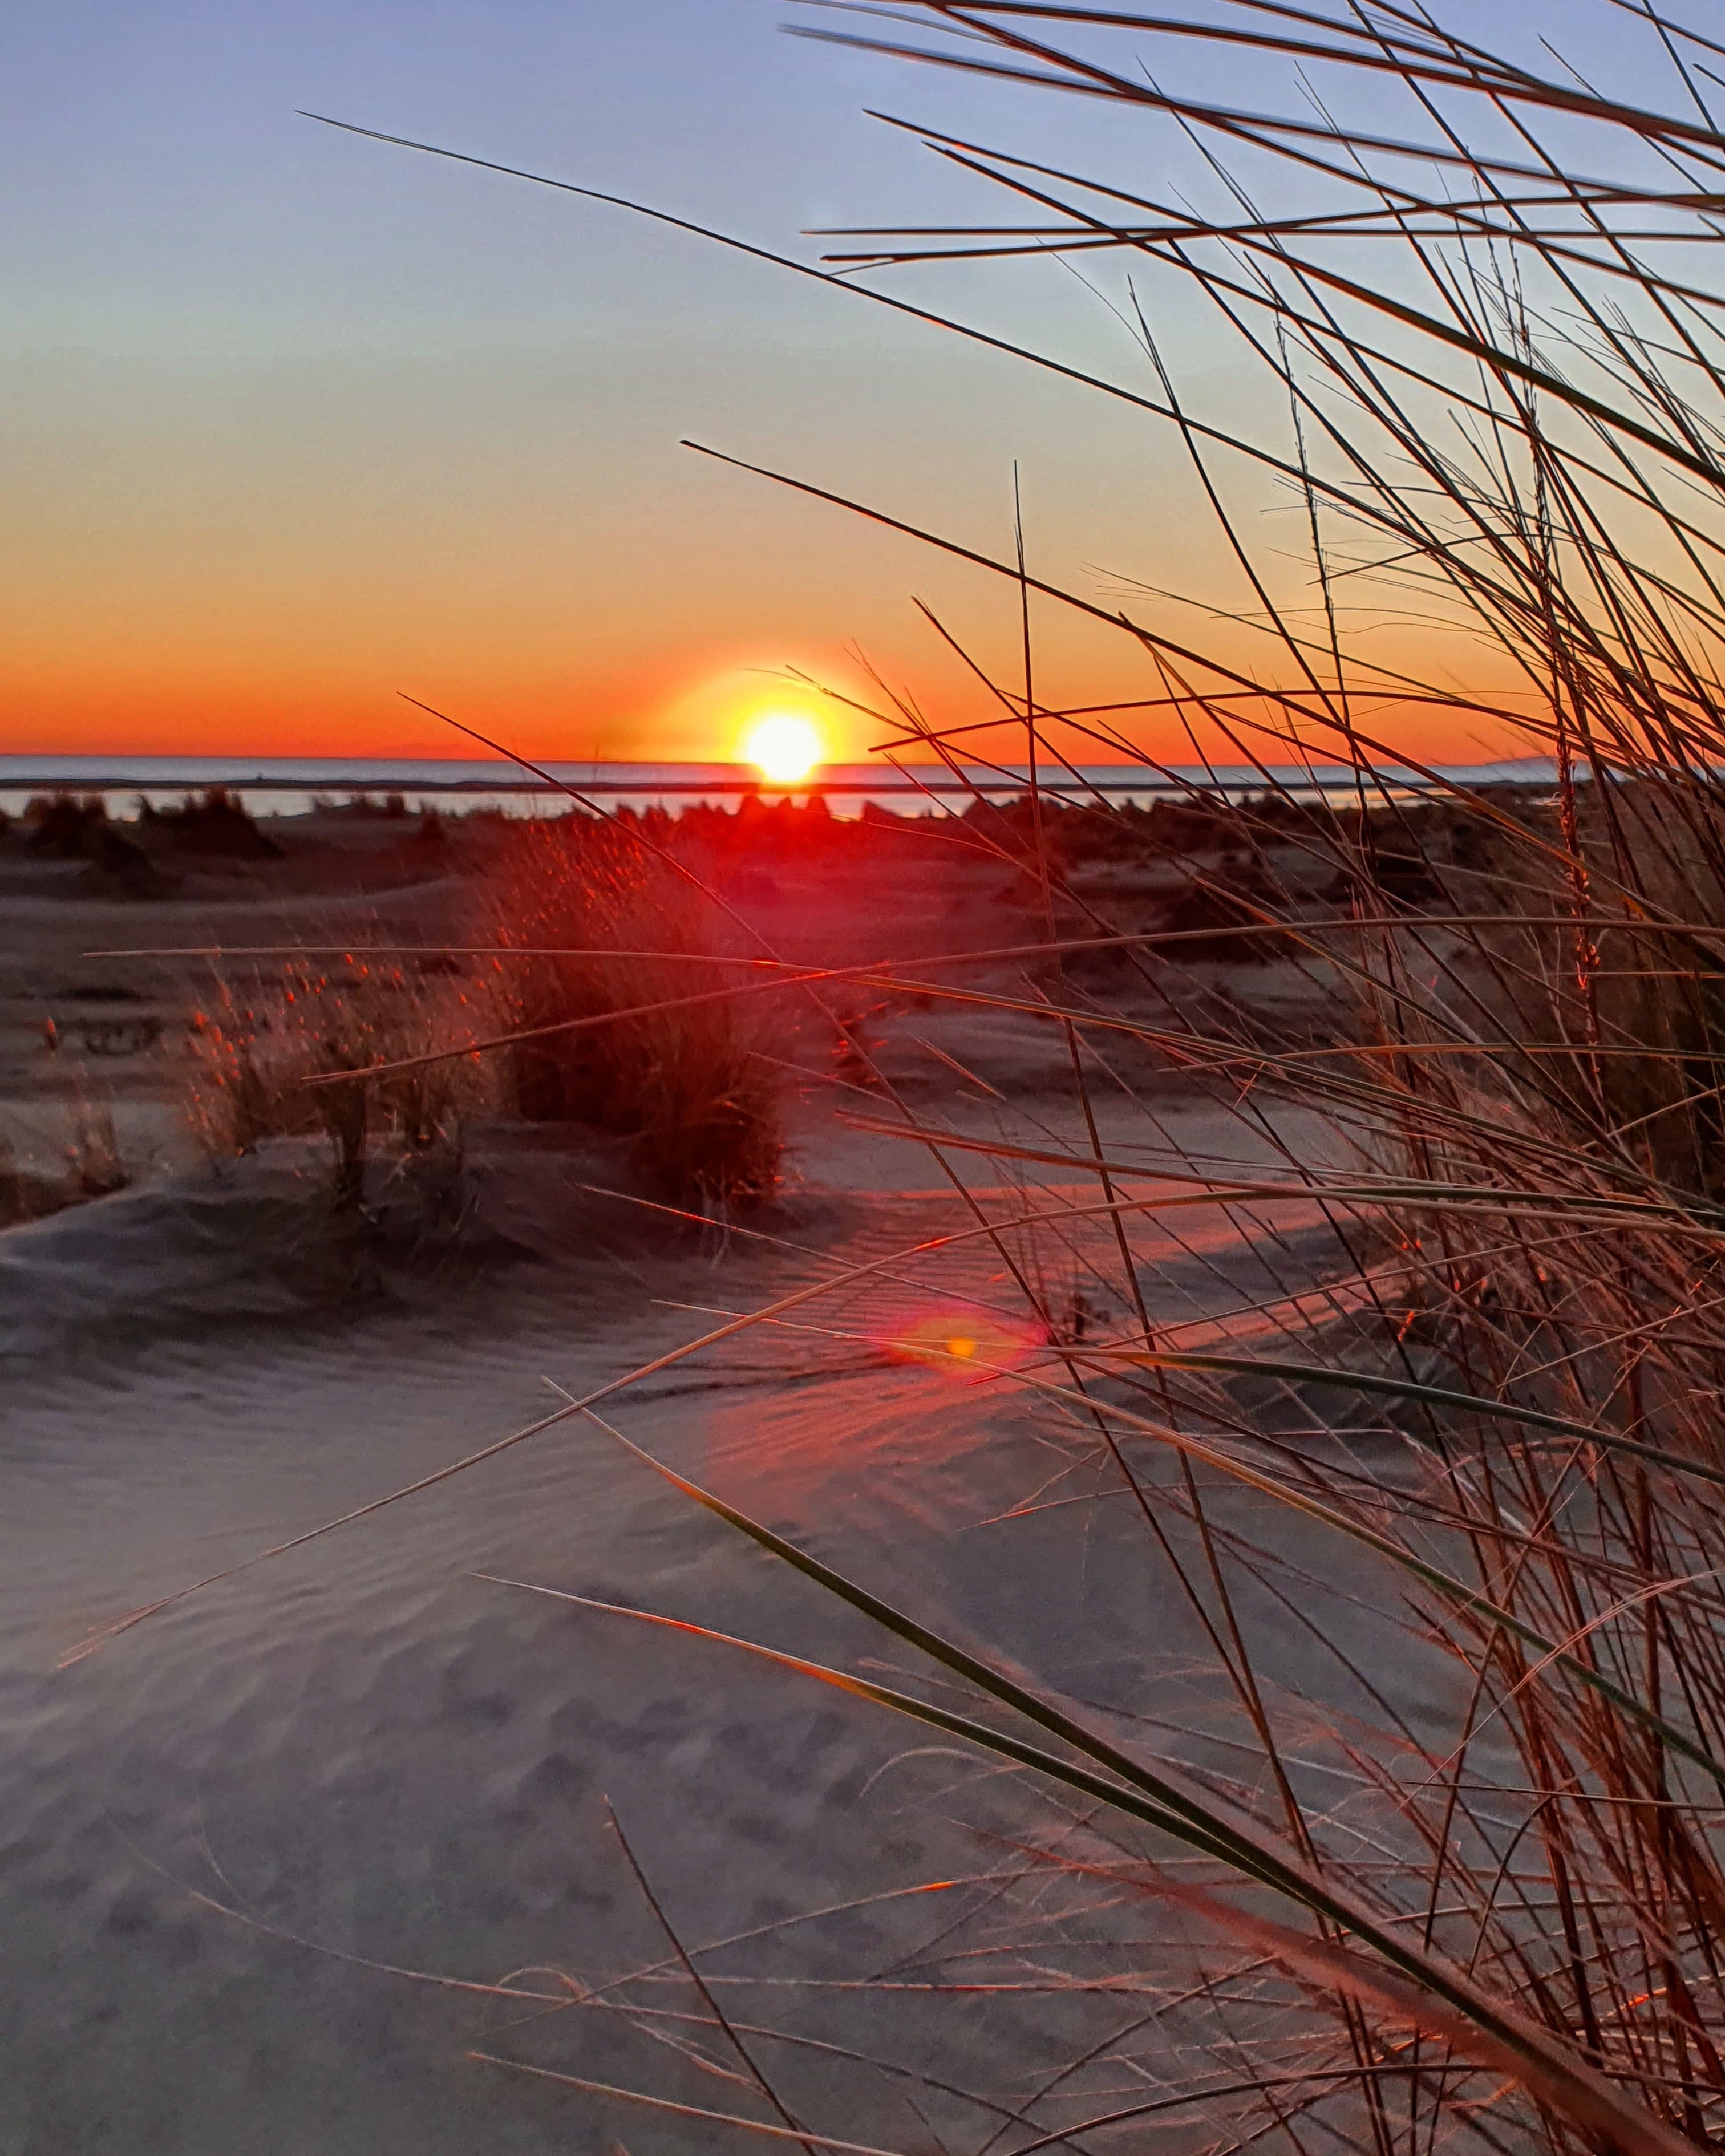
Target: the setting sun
(786, 746)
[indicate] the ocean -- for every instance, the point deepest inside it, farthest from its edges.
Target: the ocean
(290, 786)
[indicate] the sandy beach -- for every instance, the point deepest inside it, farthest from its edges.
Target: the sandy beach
(368, 1756)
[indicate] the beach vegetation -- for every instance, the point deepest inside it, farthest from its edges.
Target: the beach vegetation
(1481, 1912)
(65, 826)
(363, 1055)
(619, 1027)
(214, 823)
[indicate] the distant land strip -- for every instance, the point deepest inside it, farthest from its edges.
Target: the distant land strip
(1118, 779)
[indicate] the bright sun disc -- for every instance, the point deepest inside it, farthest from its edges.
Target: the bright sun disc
(786, 747)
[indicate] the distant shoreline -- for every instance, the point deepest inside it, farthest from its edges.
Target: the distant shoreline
(163, 779)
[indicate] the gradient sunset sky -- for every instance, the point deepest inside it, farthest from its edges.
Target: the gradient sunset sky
(292, 421)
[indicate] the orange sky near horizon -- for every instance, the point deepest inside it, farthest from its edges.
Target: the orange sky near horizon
(144, 697)
(262, 570)
(231, 576)
(293, 422)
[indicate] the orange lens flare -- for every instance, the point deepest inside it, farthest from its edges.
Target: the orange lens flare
(969, 1344)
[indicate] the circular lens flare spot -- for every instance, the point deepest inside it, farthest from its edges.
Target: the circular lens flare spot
(785, 746)
(976, 1345)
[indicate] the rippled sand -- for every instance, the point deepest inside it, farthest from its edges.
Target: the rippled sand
(367, 1753)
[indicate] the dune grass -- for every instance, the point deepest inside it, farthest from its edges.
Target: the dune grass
(92, 1165)
(1489, 1917)
(636, 1048)
(590, 1002)
(272, 1060)
(1498, 373)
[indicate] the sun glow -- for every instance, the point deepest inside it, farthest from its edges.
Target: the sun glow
(786, 746)
(970, 1345)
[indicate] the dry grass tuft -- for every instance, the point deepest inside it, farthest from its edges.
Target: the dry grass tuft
(256, 1060)
(690, 1088)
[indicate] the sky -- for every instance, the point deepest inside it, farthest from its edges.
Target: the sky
(293, 422)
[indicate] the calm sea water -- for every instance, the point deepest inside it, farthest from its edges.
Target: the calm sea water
(290, 786)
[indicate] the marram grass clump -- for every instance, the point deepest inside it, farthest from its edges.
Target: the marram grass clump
(628, 1034)
(294, 1056)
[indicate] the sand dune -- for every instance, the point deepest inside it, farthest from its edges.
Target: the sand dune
(362, 1746)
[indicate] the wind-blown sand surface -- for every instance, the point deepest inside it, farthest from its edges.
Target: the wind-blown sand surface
(367, 1752)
